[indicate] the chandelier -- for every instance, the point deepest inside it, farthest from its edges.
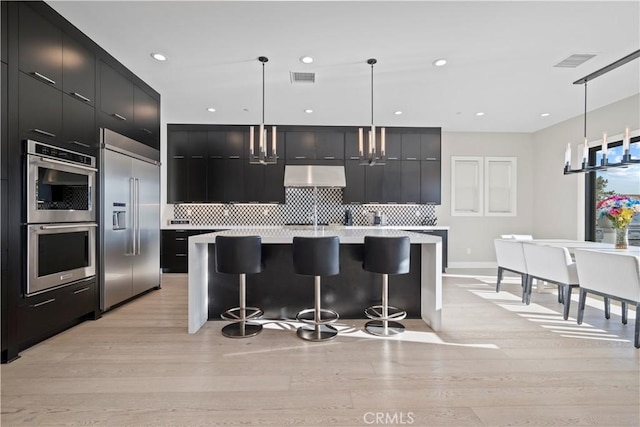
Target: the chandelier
(261, 154)
(374, 154)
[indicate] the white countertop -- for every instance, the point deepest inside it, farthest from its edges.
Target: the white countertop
(285, 235)
(278, 227)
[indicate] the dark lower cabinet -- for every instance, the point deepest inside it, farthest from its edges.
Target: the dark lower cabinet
(48, 313)
(174, 249)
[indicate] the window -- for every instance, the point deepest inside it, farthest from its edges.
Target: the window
(500, 186)
(466, 186)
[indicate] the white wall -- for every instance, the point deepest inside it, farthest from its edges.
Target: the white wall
(471, 238)
(558, 211)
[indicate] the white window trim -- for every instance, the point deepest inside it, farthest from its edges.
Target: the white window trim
(513, 187)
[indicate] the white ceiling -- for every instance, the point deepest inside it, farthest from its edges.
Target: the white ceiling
(501, 57)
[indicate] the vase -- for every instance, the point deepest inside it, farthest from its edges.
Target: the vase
(622, 238)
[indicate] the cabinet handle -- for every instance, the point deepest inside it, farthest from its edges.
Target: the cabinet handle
(79, 96)
(182, 255)
(329, 157)
(178, 157)
(118, 116)
(234, 157)
(431, 158)
(412, 158)
(197, 157)
(301, 157)
(147, 131)
(354, 158)
(215, 157)
(42, 303)
(45, 133)
(43, 77)
(180, 238)
(81, 290)
(393, 158)
(82, 144)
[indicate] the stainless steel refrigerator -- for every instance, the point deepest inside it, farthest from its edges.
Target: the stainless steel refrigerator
(129, 218)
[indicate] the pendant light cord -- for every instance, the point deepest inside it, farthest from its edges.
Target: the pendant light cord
(585, 109)
(371, 94)
(263, 93)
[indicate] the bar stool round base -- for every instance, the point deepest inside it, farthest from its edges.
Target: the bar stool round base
(242, 330)
(376, 327)
(317, 333)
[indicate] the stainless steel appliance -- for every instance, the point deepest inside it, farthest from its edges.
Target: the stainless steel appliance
(59, 254)
(130, 218)
(60, 184)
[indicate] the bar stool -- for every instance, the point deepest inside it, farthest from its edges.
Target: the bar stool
(240, 255)
(316, 256)
(385, 255)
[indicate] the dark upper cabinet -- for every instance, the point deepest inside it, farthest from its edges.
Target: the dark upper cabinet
(146, 118)
(78, 125)
(431, 146)
(253, 182)
(3, 31)
(216, 180)
(392, 181)
(393, 146)
(116, 98)
(430, 182)
(78, 71)
(300, 145)
(329, 146)
(410, 182)
(355, 177)
(351, 145)
(373, 179)
(197, 161)
(178, 144)
(411, 146)
(40, 110)
(40, 47)
(217, 144)
(234, 147)
(234, 180)
(4, 136)
(178, 166)
(274, 183)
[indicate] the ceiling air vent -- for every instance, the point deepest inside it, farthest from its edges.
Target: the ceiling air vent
(574, 60)
(297, 77)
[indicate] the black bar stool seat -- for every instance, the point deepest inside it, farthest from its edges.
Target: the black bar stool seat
(385, 256)
(317, 257)
(240, 255)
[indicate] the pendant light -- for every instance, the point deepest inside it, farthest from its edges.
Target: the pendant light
(261, 154)
(373, 155)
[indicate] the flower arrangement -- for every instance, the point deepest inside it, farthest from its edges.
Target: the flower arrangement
(618, 209)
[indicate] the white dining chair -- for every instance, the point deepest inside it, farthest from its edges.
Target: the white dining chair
(510, 257)
(551, 264)
(610, 275)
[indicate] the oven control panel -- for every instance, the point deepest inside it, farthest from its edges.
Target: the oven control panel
(38, 148)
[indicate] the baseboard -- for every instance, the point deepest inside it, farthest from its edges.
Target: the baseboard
(478, 264)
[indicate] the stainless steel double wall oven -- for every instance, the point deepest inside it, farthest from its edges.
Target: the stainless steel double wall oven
(61, 217)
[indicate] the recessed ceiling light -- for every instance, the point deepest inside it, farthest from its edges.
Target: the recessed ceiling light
(397, 113)
(158, 56)
(211, 110)
(480, 113)
(308, 111)
(440, 62)
(544, 115)
(306, 59)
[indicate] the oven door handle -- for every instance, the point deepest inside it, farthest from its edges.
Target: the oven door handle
(58, 162)
(58, 227)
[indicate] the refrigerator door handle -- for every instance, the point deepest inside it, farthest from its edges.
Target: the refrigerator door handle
(137, 181)
(132, 214)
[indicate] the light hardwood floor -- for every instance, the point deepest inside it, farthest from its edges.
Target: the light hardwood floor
(496, 362)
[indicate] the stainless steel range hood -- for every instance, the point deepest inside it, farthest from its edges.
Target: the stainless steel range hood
(314, 176)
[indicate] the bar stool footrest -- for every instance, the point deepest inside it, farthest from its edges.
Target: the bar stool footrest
(241, 329)
(393, 313)
(235, 314)
(332, 316)
(384, 328)
(317, 332)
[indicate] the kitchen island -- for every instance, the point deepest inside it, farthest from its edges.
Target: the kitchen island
(281, 293)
